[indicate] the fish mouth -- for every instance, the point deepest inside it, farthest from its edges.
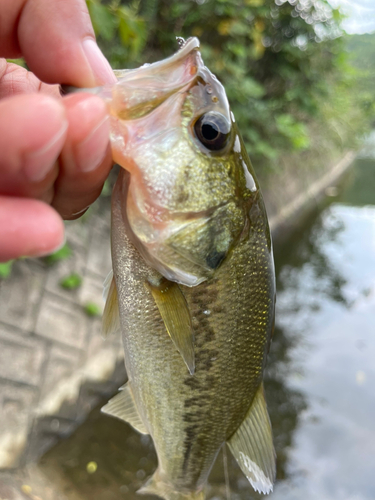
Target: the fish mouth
(139, 91)
(161, 70)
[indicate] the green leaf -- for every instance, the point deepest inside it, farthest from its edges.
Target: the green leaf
(62, 254)
(5, 269)
(20, 62)
(132, 30)
(92, 309)
(103, 20)
(71, 282)
(293, 130)
(301, 141)
(265, 149)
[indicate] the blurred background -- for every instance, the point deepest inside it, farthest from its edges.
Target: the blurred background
(299, 75)
(300, 86)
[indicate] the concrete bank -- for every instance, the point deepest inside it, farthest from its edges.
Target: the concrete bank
(289, 215)
(54, 365)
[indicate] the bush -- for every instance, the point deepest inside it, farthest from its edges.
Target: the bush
(283, 63)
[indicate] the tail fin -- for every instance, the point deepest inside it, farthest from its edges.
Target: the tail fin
(155, 486)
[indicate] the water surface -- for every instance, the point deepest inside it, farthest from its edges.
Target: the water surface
(326, 308)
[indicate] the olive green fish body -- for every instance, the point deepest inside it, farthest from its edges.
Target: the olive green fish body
(193, 277)
(190, 417)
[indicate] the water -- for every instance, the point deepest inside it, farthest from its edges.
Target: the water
(319, 381)
(326, 309)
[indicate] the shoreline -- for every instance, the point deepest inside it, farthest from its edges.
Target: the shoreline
(282, 223)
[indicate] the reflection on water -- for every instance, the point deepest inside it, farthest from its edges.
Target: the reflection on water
(319, 381)
(326, 302)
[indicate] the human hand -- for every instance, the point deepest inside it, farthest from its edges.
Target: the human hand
(54, 152)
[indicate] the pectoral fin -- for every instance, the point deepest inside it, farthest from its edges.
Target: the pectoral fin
(252, 446)
(123, 406)
(175, 313)
(111, 315)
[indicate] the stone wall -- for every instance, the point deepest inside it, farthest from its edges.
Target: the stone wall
(54, 364)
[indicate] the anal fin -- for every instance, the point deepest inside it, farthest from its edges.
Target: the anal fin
(252, 446)
(111, 315)
(123, 406)
(175, 313)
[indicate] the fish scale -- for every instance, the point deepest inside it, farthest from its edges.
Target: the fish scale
(196, 412)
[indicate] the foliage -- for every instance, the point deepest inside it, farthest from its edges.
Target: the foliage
(19, 62)
(282, 62)
(92, 309)
(62, 254)
(361, 50)
(71, 282)
(5, 269)
(120, 28)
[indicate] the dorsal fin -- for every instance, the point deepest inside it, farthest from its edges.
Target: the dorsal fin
(252, 446)
(123, 406)
(175, 313)
(111, 315)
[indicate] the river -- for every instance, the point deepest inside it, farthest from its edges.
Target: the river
(320, 376)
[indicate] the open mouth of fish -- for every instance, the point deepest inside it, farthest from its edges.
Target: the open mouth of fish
(143, 89)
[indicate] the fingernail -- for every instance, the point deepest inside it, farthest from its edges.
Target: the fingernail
(38, 163)
(90, 153)
(100, 66)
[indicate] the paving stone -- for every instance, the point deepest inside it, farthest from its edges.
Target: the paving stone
(7, 492)
(99, 214)
(21, 358)
(20, 295)
(15, 403)
(40, 442)
(99, 256)
(49, 347)
(46, 432)
(93, 393)
(56, 273)
(54, 426)
(15, 400)
(62, 321)
(91, 290)
(62, 362)
(78, 233)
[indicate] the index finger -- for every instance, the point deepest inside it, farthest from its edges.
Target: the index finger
(57, 40)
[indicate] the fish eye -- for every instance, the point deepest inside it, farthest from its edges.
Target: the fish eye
(212, 130)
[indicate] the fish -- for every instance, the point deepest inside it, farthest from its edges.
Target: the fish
(192, 288)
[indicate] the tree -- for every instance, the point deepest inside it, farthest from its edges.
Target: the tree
(277, 59)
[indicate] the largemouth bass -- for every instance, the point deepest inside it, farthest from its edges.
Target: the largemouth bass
(193, 277)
